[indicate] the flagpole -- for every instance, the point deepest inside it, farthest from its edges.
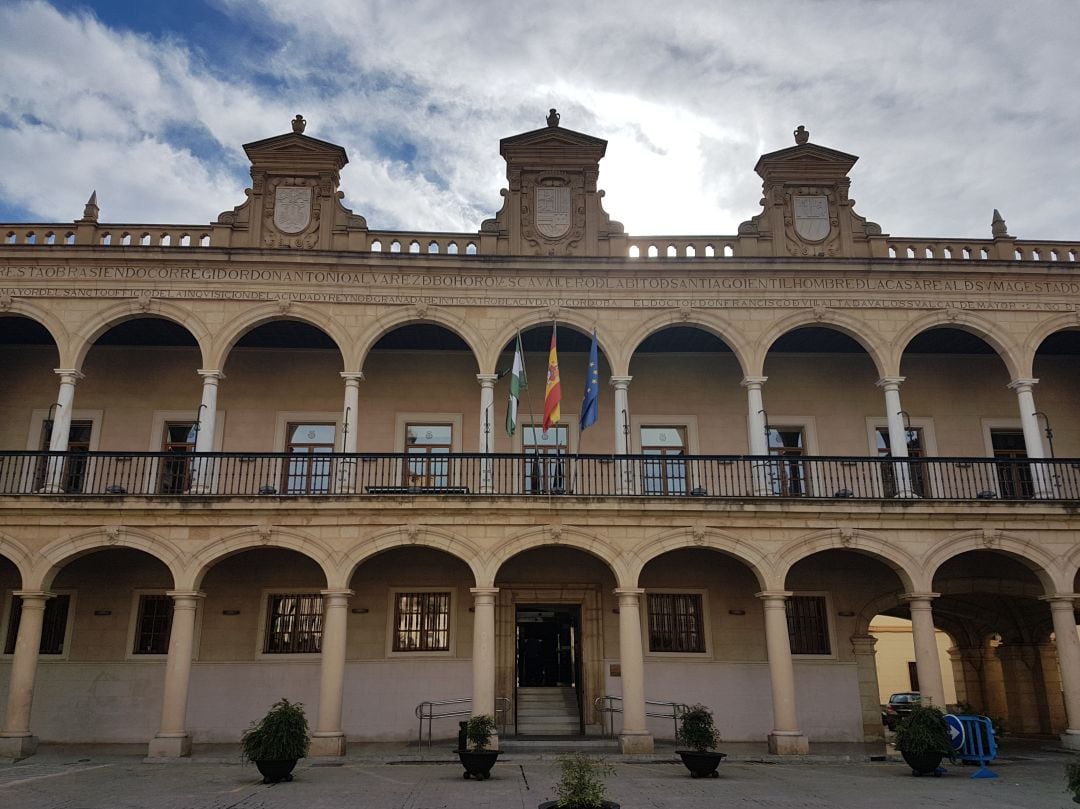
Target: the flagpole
(532, 412)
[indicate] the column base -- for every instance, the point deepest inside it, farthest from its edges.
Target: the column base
(170, 746)
(1070, 739)
(327, 744)
(635, 743)
(788, 744)
(16, 748)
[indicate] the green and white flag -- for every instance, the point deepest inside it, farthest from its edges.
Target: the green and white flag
(517, 384)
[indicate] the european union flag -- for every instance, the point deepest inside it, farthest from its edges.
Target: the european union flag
(592, 388)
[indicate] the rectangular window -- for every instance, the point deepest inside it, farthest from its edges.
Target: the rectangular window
(788, 473)
(293, 623)
(808, 625)
(422, 622)
(427, 445)
(916, 472)
(1014, 477)
(913, 675)
(53, 628)
(153, 625)
(545, 458)
(667, 473)
(305, 471)
(676, 622)
(74, 474)
(179, 439)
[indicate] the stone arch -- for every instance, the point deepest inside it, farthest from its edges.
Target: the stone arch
(1025, 551)
(84, 339)
(50, 322)
(17, 553)
(556, 536)
(961, 319)
(842, 539)
(875, 606)
(54, 556)
(438, 316)
(717, 326)
(709, 539)
(410, 536)
(1067, 322)
(260, 537)
(859, 331)
(268, 313)
(538, 317)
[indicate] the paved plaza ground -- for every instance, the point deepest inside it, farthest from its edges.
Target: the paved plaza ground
(117, 777)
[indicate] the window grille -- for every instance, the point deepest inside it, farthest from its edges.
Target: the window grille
(154, 625)
(676, 622)
(808, 625)
(293, 623)
(422, 622)
(53, 627)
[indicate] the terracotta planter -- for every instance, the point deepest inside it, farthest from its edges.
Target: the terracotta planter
(701, 763)
(922, 763)
(477, 763)
(275, 771)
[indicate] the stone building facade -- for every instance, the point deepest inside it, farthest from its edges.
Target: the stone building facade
(267, 456)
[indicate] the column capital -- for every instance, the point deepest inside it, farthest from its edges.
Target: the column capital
(352, 376)
(33, 595)
(620, 382)
(210, 375)
(338, 596)
(890, 382)
(912, 598)
(1060, 598)
(487, 380)
(189, 595)
(629, 595)
(71, 375)
(863, 644)
(1022, 384)
(774, 595)
(484, 595)
(753, 382)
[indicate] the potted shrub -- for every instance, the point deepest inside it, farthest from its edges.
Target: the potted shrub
(923, 740)
(277, 740)
(581, 784)
(698, 732)
(1072, 779)
(475, 757)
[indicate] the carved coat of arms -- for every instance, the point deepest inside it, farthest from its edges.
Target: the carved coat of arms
(553, 210)
(811, 215)
(292, 208)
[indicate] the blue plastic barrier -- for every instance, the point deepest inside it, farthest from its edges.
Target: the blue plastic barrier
(973, 738)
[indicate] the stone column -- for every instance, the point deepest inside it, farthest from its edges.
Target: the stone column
(624, 483)
(1068, 652)
(967, 671)
(1053, 695)
(329, 738)
(1019, 664)
(635, 736)
(897, 433)
(786, 738)
(1033, 445)
(757, 439)
(927, 662)
(204, 439)
(483, 655)
(869, 698)
(173, 740)
(487, 430)
(61, 429)
(16, 741)
(349, 433)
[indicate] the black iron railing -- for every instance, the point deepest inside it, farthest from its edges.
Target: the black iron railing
(230, 474)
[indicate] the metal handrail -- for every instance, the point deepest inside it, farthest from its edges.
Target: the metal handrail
(429, 710)
(606, 705)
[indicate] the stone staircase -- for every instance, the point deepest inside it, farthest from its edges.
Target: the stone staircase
(547, 712)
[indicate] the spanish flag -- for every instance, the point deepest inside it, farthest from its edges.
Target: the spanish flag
(553, 390)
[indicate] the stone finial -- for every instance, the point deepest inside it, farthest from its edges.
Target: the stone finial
(553, 117)
(997, 226)
(299, 124)
(802, 135)
(91, 210)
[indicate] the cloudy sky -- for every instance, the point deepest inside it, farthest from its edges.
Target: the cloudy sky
(955, 108)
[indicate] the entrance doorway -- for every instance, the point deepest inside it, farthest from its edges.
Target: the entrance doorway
(548, 668)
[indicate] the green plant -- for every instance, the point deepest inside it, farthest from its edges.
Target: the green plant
(581, 782)
(1072, 779)
(924, 731)
(478, 731)
(281, 735)
(697, 729)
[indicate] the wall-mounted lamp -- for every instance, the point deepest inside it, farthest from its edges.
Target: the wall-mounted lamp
(230, 612)
(736, 612)
(359, 610)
